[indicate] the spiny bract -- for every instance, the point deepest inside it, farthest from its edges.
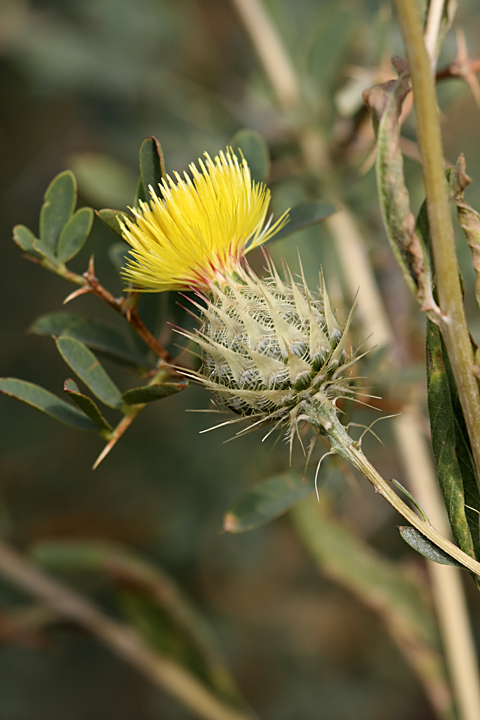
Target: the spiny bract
(271, 348)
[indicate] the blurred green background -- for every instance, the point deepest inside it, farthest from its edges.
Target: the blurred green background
(82, 83)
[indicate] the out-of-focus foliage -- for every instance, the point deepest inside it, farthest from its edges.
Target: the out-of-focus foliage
(83, 83)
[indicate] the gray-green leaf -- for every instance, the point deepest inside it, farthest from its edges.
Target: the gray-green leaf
(59, 204)
(149, 393)
(422, 545)
(86, 405)
(98, 335)
(84, 364)
(47, 402)
(24, 238)
(74, 234)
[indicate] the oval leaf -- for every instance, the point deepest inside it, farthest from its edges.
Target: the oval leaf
(86, 404)
(24, 238)
(74, 234)
(255, 151)
(47, 402)
(422, 545)
(84, 364)
(60, 199)
(266, 501)
(304, 215)
(151, 165)
(138, 396)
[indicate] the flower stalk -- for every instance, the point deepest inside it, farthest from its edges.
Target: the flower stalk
(326, 421)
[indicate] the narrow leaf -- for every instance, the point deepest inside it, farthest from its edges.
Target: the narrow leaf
(74, 234)
(266, 501)
(451, 447)
(151, 165)
(149, 393)
(24, 238)
(422, 545)
(303, 216)
(255, 151)
(98, 335)
(86, 405)
(59, 204)
(385, 103)
(84, 364)
(47, 402)
(110, 218)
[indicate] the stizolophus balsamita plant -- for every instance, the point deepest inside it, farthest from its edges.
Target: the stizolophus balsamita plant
(273, 352)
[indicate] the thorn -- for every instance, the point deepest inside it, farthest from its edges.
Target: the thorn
(124, 423)
(77, 293)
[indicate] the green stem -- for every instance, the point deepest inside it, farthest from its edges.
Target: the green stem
(452, 322)
(326, 420)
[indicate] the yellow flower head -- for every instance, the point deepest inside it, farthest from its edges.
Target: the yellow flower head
(199, 228)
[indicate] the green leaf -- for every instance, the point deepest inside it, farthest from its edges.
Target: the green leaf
(75, 234)
(47, 402)
(140, 194)
(265, 501)
(451, 447)
(422, 545)
(304, 215)
(148, 393)
(255, 151)
(84, 364)
(24, 238)
(59, 204)
(45, 251)
(86, 405)
(111, 218)
(151, 165)
(98, 335)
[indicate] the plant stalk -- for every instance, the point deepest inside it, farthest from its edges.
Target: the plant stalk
(326, 421)
(452, 322)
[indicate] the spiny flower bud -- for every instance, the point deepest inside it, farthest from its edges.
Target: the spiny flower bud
(271, 349)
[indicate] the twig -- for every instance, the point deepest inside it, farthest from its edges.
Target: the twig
(121, 639)
(90, 285)
(432, 28)
(452, 323)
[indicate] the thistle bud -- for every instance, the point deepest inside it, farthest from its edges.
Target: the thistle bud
(271, 349)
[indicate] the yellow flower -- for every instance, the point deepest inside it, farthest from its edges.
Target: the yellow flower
(199, 228)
